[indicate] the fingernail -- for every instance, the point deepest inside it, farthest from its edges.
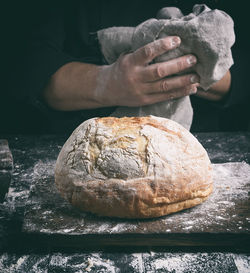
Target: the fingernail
(175, 41)
(193, 90)
(194, 79)
(191, 59)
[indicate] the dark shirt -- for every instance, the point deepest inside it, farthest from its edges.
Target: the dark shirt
(43, 37)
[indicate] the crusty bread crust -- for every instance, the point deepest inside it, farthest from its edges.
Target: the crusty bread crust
(133, 168)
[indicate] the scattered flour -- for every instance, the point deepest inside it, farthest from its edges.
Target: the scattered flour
(90, 265)
(137, 262)
(231, 188)
(24, 178)
(122, 227)
(217, 214)
(23, 263)
(243, 263)
(98, 264)
(191, 262)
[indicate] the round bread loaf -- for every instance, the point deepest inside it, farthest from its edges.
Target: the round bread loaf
(137, 167)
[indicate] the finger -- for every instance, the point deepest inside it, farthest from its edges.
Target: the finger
(147, 53)
(158, 71)
(169, 84)
(182, 92)
(173, 94)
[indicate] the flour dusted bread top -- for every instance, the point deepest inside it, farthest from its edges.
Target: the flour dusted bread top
(135, 167)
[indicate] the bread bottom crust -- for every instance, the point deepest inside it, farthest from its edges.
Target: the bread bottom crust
(123, 204)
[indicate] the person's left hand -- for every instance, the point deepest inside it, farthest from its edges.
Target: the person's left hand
(133, 80)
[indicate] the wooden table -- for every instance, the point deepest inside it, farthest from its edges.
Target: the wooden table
(40, 231)
(6, 165)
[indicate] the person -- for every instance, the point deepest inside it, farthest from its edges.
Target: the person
(61, 75)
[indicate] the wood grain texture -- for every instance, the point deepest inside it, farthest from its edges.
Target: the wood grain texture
(223, 220)
(126, 262)
(6, 160)
(33, 153)
(35, 157)
(6, 165)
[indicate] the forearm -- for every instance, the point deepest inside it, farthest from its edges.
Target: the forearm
(130, 81)
(72, 87)
(218, 91)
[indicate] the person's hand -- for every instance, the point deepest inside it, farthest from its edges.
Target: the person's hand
(133, 80)
(218, 90)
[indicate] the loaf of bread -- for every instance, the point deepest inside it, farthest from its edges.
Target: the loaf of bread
(137, 167)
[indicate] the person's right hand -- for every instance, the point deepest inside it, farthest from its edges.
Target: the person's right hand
(133, 80)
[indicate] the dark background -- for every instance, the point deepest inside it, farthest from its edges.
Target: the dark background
(18, 18)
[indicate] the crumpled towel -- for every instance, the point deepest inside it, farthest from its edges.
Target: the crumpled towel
(206, 33)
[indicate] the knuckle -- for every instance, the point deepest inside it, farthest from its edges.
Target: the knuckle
(148, 51)
(159, 72)
(127, 71)
(164, 44)
(180, 66)
(164, 86)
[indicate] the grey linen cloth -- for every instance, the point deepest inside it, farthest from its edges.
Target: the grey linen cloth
(206, 33)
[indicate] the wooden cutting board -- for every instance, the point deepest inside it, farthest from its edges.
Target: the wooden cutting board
(223, 220)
